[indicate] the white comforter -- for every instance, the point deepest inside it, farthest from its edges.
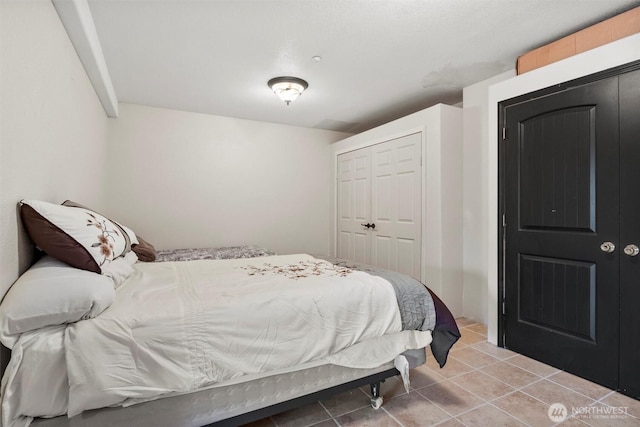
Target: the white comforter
(177, 327)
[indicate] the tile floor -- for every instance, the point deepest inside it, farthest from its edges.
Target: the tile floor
(481, 385)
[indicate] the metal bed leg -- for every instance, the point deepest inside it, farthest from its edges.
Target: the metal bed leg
(376, 399)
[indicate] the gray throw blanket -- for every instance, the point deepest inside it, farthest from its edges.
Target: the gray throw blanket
(417, 310)
(420, 308)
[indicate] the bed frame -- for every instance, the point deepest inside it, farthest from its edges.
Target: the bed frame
(241, 403)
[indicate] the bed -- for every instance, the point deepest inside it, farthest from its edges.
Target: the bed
(219, 336)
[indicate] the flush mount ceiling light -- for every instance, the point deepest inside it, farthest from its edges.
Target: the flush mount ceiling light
(287, 88)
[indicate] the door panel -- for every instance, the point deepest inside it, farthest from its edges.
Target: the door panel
(382, 250)
(344, 244)
(558, 294)
(383, 199)
(396, 206)
(362, 248)
(354, 201)
(630, 233)
(557, 178)
(405, 258)
(561, 202)
(406, 203)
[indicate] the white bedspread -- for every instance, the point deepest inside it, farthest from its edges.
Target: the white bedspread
(177, 327)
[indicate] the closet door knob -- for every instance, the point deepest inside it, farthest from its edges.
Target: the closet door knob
(367, 225)
(631, 250)
(607, 247)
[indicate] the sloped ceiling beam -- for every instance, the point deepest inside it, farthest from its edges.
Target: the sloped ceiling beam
(78, 22)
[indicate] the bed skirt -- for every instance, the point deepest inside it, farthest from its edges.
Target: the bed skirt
(239, 403)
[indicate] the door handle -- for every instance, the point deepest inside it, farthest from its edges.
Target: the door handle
(607, 247)
(372, 226)
(631, 250)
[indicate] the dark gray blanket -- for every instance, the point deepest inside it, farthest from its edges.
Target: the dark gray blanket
(420, 309)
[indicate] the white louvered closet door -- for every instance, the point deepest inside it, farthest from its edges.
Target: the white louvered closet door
(390, 198)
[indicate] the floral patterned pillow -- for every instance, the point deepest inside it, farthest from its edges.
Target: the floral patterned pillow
(79, 237)
(128, 234)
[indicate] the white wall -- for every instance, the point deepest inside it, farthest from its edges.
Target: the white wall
(474, 230)
(441, 126)
(183, 179)
(52, 126)
(611, 55)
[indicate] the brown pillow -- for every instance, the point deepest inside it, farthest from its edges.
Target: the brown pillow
(145, 250)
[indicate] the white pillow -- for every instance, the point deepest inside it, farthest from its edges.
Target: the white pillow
(52, 293)
(80, 237)
(121, 268)
(132, 236)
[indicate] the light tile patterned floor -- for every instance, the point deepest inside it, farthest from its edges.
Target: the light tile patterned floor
(481, 385)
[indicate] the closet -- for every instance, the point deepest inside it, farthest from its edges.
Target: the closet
(569, 162)
(380, 205)
(398, 199)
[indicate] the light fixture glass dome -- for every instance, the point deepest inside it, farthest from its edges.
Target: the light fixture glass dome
(287, 88)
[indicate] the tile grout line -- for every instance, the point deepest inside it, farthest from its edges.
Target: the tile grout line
(491, 401)
(391, 415)
(531, 372)
(482, 351)
(509, 414)
(487, 403)
(443, 409)
(572, 417)
(582, 394)
(473, 369)
(328, 412)
(515, 389)
(611, 393)
(436, 405)
(548, 376)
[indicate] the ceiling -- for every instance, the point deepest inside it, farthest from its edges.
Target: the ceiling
(381, 59)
